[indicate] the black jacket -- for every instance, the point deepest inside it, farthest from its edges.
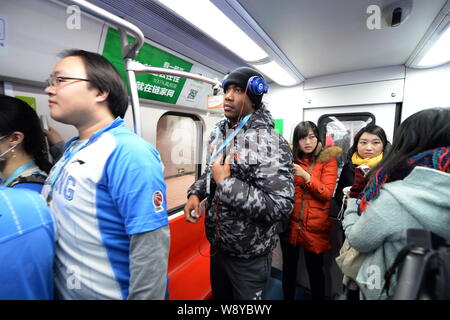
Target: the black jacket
(348, 174)
(248, 210)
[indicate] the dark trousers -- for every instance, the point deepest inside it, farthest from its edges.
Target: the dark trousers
(352, 294)
(314, 265)
(239, 279)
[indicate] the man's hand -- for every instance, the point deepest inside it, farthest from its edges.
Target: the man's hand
(220, 172)
(192, 204)
(53, 136)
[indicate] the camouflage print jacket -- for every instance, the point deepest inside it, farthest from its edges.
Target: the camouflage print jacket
(247, 210)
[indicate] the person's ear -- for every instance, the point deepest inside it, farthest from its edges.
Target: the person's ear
(101, 96)
(16, 138)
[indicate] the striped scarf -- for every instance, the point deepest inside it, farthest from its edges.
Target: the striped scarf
(438, 159)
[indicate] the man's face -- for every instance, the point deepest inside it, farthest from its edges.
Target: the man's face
(235, 99)
(70, 101)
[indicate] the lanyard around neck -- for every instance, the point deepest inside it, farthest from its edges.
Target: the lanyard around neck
(223, 145)
(229, 138)
(68, 155)
(19, 171)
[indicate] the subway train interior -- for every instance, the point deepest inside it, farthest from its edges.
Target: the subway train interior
(340, 64)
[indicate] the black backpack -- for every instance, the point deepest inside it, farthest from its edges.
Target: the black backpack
(424, 268)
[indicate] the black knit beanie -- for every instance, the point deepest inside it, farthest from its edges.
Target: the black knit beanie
(240, 78)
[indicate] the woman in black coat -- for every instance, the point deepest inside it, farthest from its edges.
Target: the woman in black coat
(369, 146)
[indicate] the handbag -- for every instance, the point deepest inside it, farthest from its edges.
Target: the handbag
(336, 212)
(350, 260)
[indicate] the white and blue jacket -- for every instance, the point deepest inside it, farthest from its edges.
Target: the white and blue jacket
(101, 192)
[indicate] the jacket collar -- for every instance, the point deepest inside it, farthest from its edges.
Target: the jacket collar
(261, 118)
(116, 123)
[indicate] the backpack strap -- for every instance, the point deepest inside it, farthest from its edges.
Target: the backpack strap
(32, 178)
(392, 269)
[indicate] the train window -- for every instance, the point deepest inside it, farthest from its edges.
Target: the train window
(178, 140)
(340, 129)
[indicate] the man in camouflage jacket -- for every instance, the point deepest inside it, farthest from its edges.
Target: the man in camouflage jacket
(250, 195)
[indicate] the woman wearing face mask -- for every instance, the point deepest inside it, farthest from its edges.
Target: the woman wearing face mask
(23, 161)
(315, 175)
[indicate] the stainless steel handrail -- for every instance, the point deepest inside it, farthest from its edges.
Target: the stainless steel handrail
(130, 51)
(141, 68)
(117, 21)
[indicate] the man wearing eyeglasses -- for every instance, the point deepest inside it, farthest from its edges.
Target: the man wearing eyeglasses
(107, 192)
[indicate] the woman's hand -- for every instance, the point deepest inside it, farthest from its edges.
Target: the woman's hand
(299, 171)
(359, 182)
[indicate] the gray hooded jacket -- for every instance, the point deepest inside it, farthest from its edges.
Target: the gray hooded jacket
(247, 210)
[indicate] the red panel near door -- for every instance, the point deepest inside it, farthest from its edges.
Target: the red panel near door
(188, 261)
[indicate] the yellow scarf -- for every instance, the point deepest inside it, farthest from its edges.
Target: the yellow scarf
(371, 162)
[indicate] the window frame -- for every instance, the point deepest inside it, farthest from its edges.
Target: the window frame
(353, 116)
(199, 140)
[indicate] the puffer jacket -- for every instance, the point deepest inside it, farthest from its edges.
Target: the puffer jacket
(310, 225)
(247, 210)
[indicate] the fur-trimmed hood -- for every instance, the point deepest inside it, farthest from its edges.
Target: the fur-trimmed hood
(328, 153)
(325, 154)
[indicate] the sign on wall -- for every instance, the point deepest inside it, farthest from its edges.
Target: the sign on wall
(30, 100)
(278, 125)
(215, 102)
(164, 88)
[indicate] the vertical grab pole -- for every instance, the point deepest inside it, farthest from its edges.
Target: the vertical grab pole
(129, 51)
(135, 107)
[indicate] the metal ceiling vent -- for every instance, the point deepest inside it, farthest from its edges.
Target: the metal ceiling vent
(156, 22)
(159, 10)
(158, 17)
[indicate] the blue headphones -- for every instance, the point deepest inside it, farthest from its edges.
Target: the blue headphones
(255, 85)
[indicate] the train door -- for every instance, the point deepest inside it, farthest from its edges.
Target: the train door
(340, 124)
(179, 137)
(384, 114)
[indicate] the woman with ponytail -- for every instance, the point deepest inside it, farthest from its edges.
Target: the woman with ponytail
(23, 160)
(409, 188)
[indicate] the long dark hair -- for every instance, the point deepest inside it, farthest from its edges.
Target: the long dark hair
(372, 129)
(17, 115)
(300, 132)
(424, 130)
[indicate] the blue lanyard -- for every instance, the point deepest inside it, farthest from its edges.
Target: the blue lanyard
(68, 155)
(223, 145)
(19, 171)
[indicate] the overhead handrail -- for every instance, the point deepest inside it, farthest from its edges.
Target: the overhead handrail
(130, 51)
(118, 22)
(142, 68)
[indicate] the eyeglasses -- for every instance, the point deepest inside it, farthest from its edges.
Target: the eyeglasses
(56, 81)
